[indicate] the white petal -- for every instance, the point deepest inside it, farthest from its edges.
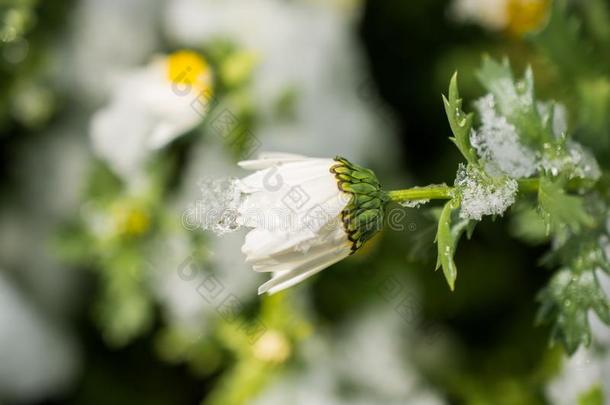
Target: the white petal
(269, 159)
(320, 225)
(275, 178)
(118, 134)
(289, 278)
(144, 114)
(294, 259)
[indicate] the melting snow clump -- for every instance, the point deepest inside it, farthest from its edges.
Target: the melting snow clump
(482, 194)
(578, 161)
(497, 143)
(217, 210)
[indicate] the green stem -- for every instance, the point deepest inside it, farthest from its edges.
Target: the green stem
(444, 192)
(434, 192)
(529, 185)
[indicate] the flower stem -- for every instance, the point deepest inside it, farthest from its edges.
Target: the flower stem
(433, 192)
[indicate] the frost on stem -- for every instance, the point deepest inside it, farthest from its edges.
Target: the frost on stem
(414, 203)
(497, 143)
(218, 208)
(483, 195)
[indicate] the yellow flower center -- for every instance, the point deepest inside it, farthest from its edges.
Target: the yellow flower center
(188, 68)
(131, 220)
(526, 15)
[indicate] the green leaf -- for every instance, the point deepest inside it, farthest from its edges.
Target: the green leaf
(584, 251)
(566, 302)
(447, 237)
(561, 210)
(459, 121)
(561, 42)
(528, 225)
(515, 100)
(593, 396)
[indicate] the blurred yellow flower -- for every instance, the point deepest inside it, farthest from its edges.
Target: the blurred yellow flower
(130, 219)
(189, 68)
(526, 15)
(514, 16)
(272, 347)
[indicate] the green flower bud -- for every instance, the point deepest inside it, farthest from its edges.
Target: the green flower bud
(363, 216)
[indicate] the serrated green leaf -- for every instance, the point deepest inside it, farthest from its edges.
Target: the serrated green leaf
(566, 302)
(447, 237)
(515, 100)
(560, 209)
(585, 251)
(459, 121)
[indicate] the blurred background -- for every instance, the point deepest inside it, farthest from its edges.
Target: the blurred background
(108, 295)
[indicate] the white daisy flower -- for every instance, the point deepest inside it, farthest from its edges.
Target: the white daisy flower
(306, 214)
(151, 107)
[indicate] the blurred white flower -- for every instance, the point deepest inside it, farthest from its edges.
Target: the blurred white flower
(491, 14)
(517, 16)
(308, 62)
(107, 38)
(38, 358)
(581, 372)
(293, 203)
(150, 107)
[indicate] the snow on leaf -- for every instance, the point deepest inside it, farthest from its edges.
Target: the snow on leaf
(566, 302)
(560, 209)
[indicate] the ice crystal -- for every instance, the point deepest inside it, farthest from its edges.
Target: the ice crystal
(517, 96)
(484, 195)
(217, 210)
(414, 203)
(560, 122)
(572, 158)
(497, 143)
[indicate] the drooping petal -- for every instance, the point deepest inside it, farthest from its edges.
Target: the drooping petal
(289, 278)
(293, 259)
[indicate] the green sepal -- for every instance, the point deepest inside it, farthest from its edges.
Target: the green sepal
(358, 188)
(363, 215)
